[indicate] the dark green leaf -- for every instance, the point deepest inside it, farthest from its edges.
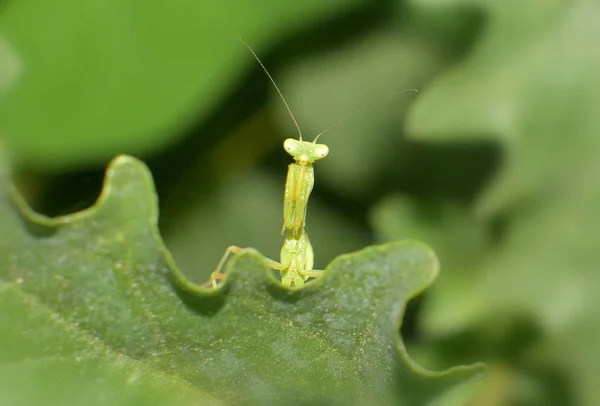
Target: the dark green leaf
(96, 295)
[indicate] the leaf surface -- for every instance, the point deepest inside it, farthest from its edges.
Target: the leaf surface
(96, 296)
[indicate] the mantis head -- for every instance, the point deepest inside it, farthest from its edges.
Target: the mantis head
(305, 152)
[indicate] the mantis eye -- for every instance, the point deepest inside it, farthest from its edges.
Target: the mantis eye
(289, 145)
(322, 150)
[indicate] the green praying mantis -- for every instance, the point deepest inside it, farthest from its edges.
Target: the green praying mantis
(297, 255)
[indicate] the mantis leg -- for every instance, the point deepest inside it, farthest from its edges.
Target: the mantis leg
(217, 275)
(313, 273)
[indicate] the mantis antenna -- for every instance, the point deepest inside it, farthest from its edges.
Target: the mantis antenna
(361, 108)
(276, 87)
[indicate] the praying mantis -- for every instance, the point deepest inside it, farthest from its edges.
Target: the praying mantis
(297, 255)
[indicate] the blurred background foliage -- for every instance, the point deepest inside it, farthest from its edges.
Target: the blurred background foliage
(494, 163)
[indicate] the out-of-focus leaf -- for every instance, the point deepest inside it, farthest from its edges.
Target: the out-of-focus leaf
(95, 296)
(532, 83)
(127, 76)
(539, 67)
(547, 268)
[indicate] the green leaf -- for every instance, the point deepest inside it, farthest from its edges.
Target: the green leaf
(539, 66)
(128, 75)
(96, 296)
(532, 83)
(546, 267)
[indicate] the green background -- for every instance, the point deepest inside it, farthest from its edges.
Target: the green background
(494, 162)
